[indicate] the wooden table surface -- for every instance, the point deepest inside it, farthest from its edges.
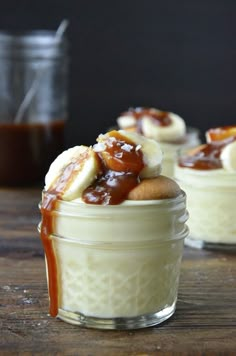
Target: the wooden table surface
(205, 319)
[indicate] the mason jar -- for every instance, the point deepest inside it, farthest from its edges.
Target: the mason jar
(115, 266)
(211, 196)
(33, 104)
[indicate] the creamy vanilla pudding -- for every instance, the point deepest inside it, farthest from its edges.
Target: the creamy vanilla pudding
(168, 128)
(113, 259)
(208, 176)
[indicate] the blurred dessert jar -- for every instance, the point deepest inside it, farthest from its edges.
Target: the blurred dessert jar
(33, 104)
(113, 230)
(168, 128)
(208, 176)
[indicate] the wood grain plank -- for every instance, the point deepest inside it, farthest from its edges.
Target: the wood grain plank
(205, 319)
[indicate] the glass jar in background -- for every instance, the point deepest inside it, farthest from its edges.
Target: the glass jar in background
(33, 104)
(211, 195)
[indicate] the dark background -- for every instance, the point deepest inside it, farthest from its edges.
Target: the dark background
(176, 55)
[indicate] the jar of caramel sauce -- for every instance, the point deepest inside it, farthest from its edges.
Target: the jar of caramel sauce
(31, 126)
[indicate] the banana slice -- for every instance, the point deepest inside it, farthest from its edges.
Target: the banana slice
(175, 131)
(126, 121)
(151, 151)
(228, 157)
(220, 133)
(152, 154)
(168, 133)
(72, 172)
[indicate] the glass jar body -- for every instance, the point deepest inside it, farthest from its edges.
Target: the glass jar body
(118, 266)
(33, 104)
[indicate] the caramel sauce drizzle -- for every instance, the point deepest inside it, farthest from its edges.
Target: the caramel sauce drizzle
(221, 133)
(111, 187)
(160, 118)
(207, 157)
(48, 206)
(121, 165)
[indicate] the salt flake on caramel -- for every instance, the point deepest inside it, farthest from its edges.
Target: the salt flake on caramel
(120, 153)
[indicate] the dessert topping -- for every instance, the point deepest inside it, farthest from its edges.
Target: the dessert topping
(72, 172)
(130, 117)
(228, 157)
(160, 187)
(207, 157)
(105, 173)
(219, 152)
(220, 133)
(121, 161)
(152, 123)
(120, 153)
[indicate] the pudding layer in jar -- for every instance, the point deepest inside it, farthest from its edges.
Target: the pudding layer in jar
(167, 128)
(113, 246)
(208, 176)
(119, 261)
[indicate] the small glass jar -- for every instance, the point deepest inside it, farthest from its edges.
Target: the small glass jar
(170, 150)
(211, 197)
(33, 104)
(117, 266)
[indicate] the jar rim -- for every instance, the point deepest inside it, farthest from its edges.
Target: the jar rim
(32, 37)
(214, 178)
(76, 208)
(127, 203)
(168, 216)
(33, 43)
(207, 172)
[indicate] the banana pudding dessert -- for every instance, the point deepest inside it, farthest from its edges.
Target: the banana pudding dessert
(168, 128)
(208, 176)
(112, 229)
